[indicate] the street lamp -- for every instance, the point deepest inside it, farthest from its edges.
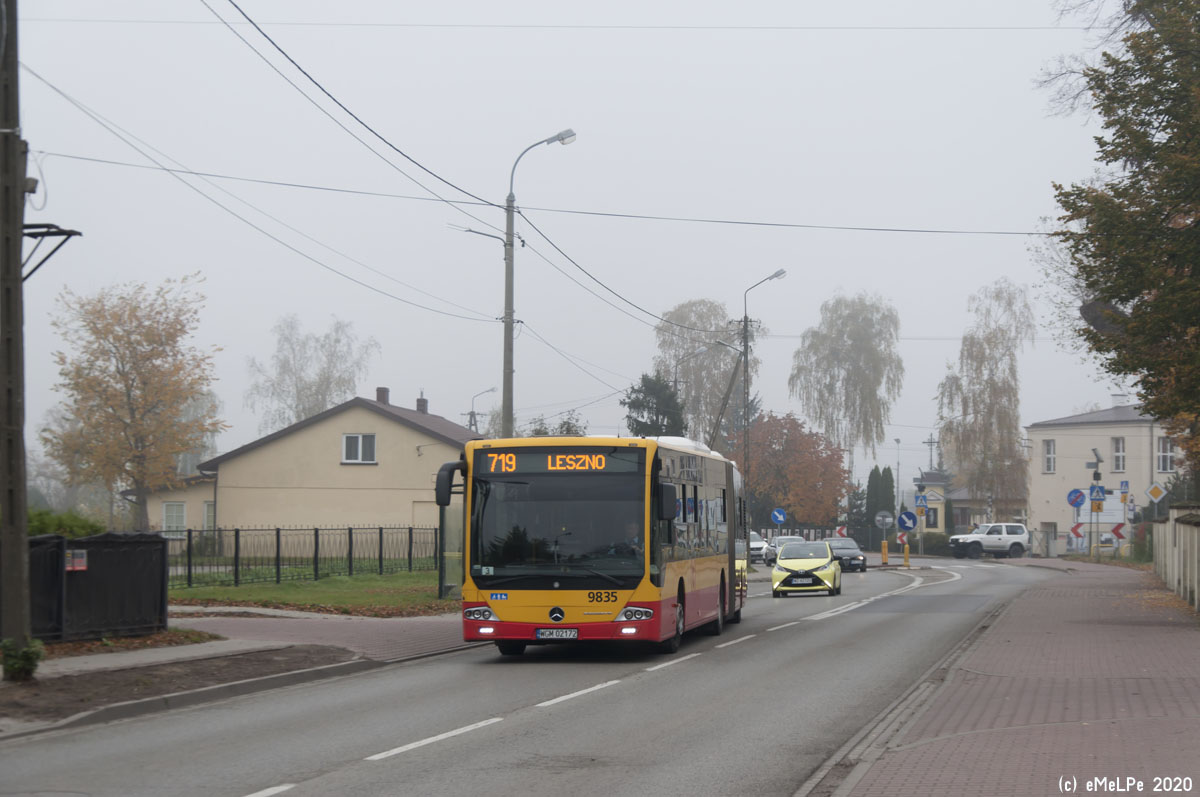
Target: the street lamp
(506, 402)
(746, 373)
(897, 482)
(473, 423)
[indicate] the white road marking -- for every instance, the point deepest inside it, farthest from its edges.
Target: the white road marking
(735, 641)
(672, 661)
(580, 692)
(280, 789)
(430, 740)
(785, 625)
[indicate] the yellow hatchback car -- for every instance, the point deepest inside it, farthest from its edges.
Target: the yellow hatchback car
(806, 567)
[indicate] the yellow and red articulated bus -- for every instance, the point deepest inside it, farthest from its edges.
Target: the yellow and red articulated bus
(622, 539)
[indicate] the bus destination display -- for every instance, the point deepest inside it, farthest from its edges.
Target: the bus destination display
(542, 460)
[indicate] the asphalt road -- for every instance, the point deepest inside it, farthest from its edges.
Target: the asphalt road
(754, 711)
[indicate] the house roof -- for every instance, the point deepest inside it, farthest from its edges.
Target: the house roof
(1130, 413)
(435, 426)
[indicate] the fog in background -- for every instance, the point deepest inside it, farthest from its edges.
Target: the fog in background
(904, 116)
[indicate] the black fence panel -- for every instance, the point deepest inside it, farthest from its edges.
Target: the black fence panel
(252, 555)
(47, 585)
(119, 589)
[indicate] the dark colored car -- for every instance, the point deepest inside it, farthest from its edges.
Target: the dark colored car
(852, 556)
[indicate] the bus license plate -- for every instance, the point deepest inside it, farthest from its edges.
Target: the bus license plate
(558, 633)
(802, 581)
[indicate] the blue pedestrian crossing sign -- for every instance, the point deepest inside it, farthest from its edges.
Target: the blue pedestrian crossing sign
(778, 516)
(922, 500)
(907, 521)
(1097, 493)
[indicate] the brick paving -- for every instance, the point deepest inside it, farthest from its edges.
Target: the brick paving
(1094, 674)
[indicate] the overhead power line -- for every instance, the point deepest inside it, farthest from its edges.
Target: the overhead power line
(126, 139)
(612, 27)
(576, 212)
(339, 103)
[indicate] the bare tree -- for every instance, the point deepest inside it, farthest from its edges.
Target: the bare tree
(698, 347)
(979, 401)
(308, 373)
(203, 405)
(847, 371)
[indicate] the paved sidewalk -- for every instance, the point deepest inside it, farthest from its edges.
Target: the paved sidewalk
(1095, 673)
(377, 638)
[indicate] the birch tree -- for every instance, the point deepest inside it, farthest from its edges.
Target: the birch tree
(698, 346)
(847, 372)
(308, 373)
(979, 408)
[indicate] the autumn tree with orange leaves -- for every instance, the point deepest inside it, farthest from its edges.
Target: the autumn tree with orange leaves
(131, 386)
(796, 469)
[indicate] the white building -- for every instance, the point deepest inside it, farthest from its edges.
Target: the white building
(1135, 453)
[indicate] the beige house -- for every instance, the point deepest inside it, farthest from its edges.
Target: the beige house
(362, 463)
(1135, 453)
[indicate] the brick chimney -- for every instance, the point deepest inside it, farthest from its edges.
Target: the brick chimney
(381, 395)
(423, 403)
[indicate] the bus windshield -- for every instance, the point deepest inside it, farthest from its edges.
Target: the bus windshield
(550, 515)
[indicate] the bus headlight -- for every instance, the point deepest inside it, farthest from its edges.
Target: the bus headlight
(633, 613)
(479, 613)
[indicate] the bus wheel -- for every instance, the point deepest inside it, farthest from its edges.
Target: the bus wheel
(718, 624)
(672, 645)
(509, 647)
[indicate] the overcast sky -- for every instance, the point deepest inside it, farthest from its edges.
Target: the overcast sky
(916, 115)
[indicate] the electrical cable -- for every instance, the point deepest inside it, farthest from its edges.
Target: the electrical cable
(98, 120)
(341, 105)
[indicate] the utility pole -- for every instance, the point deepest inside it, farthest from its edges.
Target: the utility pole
(931, 443)
(15, 623)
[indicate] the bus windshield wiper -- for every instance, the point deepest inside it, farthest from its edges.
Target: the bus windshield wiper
(606, 576)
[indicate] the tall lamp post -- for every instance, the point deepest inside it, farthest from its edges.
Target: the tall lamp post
(473, 423)
(506, 401)
(746, 374)
(897, 483)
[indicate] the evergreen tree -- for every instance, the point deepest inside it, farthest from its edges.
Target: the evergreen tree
(654, 408)
(887, 491)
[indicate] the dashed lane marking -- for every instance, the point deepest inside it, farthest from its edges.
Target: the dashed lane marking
(580, 692)
(671, 662)
(735, 641)
(432, 739)
(280, 789)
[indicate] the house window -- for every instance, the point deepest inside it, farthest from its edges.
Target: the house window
(1118, 454)
(358, 448)
(1047, 456)
(1166, 455)
(210, 515)
(931, 518)
(174, 516)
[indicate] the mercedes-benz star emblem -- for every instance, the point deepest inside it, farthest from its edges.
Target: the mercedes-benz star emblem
(557, 614)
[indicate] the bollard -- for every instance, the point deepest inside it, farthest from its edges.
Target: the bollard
(906, 554)
(883, 548)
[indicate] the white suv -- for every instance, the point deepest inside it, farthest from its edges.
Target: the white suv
(758, 547)
(998, 539)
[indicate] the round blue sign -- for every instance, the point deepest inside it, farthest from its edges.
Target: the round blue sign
(1076, 498)
(778, 516)
(907, 521)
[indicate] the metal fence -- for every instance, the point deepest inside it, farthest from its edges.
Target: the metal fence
(254, 555)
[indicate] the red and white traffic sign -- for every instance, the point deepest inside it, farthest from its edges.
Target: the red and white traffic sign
(902, 538)
(1076, 530)
(1117, 531)
(840, 531)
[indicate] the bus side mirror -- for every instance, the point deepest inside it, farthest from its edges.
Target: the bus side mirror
(445, 478)
(666, 501)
